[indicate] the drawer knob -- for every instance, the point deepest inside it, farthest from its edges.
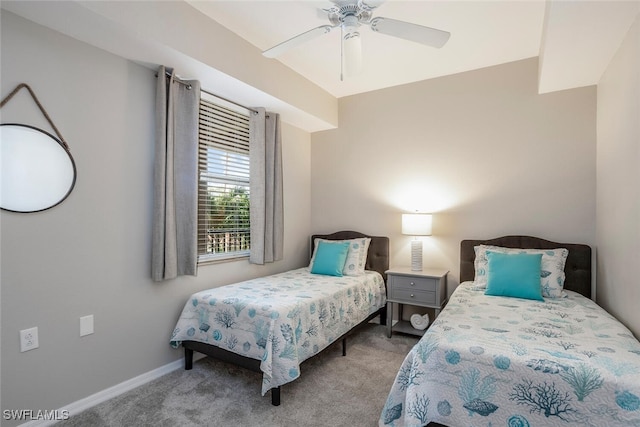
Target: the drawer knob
(412, 295)
(413, 284)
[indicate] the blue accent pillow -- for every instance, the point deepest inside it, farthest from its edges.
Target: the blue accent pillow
(330, 258)
(514, 275)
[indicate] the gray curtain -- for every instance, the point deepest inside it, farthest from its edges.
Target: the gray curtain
(266, 206)
(175, 206)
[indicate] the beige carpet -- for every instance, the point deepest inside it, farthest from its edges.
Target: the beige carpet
(332, 391)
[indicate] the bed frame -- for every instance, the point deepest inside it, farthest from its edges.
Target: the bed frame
(377, 260)
(577, 268)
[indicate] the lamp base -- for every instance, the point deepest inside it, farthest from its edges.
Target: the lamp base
(416, 255)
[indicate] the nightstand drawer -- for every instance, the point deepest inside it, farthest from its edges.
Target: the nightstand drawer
(412, 296)
(415, 283)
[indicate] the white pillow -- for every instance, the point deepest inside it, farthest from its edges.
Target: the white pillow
(356, 257)
(552, 269)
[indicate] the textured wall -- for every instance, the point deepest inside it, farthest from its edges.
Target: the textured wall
(91, 254)
(618, 171)
(481, 150)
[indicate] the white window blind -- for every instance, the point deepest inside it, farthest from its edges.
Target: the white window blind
(223, 190)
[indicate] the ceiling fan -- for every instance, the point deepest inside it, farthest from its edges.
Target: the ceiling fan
(349, 15)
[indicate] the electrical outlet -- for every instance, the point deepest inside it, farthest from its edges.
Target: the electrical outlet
(28, 339)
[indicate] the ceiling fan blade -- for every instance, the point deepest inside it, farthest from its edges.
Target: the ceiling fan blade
(414, 32)
(296, 41)
(322, 13)
(369, 4)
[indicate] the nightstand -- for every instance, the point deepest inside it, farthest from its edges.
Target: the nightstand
(426, 288)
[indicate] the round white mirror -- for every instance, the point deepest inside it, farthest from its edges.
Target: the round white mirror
(36, 171)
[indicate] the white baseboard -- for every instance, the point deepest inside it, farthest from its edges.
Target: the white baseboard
(111, 392)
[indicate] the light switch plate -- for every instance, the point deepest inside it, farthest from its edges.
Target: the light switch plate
(86, 325)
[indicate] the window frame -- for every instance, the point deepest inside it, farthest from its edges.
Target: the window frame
(233, 125)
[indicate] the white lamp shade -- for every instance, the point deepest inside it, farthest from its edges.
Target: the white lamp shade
(416, 224)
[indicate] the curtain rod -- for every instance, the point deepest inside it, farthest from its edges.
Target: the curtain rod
(179, 80)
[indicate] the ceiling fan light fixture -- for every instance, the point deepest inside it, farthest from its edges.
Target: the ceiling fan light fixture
(351, 47)
(349, 15)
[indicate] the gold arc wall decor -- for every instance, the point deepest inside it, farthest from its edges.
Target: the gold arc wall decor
(37, 171)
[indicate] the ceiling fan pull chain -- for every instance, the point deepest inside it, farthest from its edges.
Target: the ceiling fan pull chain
(341, 54)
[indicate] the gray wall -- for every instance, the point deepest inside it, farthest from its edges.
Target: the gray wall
(481, 150)
(618, 192)
(91, 254)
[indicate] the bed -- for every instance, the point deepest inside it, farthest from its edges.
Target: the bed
(510, 361)
(272, 324)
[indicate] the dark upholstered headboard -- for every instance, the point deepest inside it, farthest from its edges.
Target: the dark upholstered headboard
(378, 255)
(577, 269)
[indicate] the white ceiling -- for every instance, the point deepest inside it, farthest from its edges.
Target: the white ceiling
(219, 43)
(483, 33)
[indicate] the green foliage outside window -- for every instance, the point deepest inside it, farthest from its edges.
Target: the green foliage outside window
(227, 217)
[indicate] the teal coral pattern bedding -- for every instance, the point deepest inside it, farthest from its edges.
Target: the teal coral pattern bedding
(282, 319)
(499, 361)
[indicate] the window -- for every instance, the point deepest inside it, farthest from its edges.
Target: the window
(223, 186)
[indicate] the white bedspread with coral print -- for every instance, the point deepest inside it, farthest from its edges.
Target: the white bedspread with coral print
(497, 361)
(282, 319)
